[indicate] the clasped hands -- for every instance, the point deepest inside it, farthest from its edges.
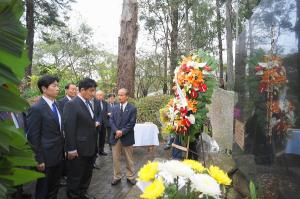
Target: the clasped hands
(119, 134)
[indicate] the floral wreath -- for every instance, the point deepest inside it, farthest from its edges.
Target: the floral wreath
(193, 78)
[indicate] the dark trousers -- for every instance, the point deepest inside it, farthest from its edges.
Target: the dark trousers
(102, 136)
(108, 131)
(176, 153)
(47, 187)
(79, 176)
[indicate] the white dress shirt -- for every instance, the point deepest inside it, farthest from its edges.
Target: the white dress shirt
(69, 98)
(124, 105)
(50, 102)
(90, 108)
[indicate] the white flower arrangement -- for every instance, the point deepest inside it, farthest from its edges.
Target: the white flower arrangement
(206, 185)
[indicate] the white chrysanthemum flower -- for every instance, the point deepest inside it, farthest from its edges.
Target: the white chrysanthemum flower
(168, 179)
(194, 57)
(200, 65)
(191, 63)
(261, 72)
(191, 118)
(176, 169)
(206, 185)
(263, 64)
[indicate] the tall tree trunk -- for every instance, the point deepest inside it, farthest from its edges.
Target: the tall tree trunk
(187, 28)
(127, 46)
(165, 86)
(220, 45)
(230, 69)
(165, 80)
(251, 40)
(174, 39)
(240, 68)
(297, 30)
(30, 35)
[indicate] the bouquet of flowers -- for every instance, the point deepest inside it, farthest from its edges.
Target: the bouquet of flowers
(273, 81)
(184, 179)
(194, 80)
(272, 72)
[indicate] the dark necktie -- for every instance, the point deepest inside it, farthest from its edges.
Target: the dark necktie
(121, 110)
(89, 107)
(55, 113)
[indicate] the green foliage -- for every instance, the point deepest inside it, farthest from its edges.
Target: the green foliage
(14, 150)
(71, 55)
(203, 26)
(252, 190)
(253, 82)
(148, 75)
(107, 70)
(47, 13)
(67, 52)
(148, 108)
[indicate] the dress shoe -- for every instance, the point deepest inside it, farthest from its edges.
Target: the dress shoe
(102, 153)
(95, 166)
(115, 181)
(63, 182)
(87, 196)
(131, 181)
(26, 195)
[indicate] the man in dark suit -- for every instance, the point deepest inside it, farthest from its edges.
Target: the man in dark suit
(71, 92)
(80, 132)
(102, 104)
(96, 108)
(111, 104)
(122, 122)
(44, 124)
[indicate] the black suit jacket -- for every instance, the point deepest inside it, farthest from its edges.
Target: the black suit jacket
(44, 134)
(104, 119)
(62, 103)
(79, 126)
(97, 110)
(109, 110)
(125, 123)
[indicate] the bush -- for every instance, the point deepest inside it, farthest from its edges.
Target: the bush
(148, 108)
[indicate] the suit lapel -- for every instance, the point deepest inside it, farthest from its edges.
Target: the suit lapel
(46, 107)
(83, 106)
(126, 110)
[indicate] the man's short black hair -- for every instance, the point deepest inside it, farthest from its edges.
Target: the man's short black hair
(68, 85)
(87, 83)
(45, 81)
(111, 95)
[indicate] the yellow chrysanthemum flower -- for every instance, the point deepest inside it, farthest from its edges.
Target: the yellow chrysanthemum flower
(195, 165)
(219, 175)
(154, 190)
(148, 171)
